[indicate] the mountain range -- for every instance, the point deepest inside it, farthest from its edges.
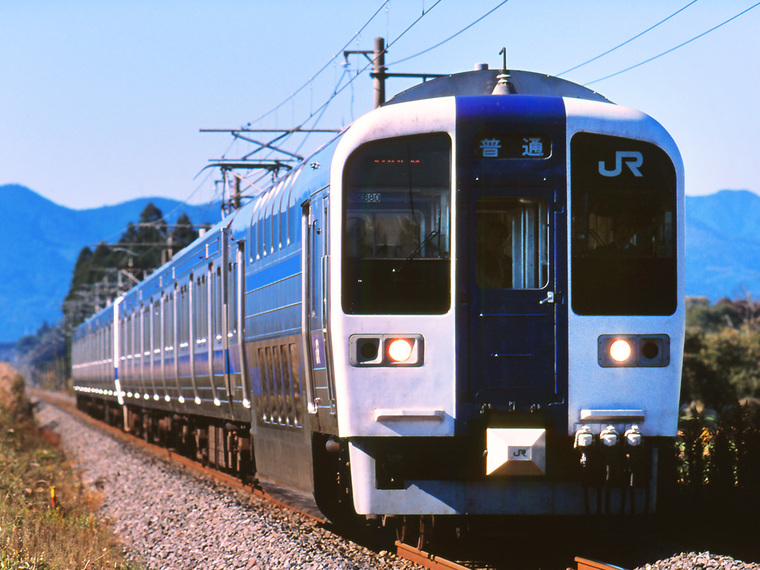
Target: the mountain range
(41, 241)
(723, 244)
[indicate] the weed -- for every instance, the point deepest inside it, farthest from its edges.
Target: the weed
(37, 532)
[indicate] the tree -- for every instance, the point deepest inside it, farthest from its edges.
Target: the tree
(109, 270)
(148, 240)
(183, 233)
(721, 352)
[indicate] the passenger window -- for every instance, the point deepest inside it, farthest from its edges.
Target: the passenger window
(511, 242)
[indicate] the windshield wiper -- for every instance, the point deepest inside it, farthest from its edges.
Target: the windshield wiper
(416, 251)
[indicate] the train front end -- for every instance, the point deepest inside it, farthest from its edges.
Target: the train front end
(506, 305)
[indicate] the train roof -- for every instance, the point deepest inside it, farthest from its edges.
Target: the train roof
(483, 82)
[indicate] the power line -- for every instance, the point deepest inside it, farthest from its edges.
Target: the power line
(338, 90)
(313, 77)
(674, 48)
(439, 44)
(627, 41)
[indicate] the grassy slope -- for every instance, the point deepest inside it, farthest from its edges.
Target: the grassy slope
(35, 534)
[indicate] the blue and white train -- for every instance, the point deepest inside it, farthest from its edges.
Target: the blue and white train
(470, 302)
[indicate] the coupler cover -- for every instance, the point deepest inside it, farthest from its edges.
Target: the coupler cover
(515, 451)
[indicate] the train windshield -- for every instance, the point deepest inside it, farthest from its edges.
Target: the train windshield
(623, 227)
(397, 227)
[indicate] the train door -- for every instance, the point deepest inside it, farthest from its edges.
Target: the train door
(321, 399)
(512, 316)
(236, 320)
(225, 277)
(214, 333)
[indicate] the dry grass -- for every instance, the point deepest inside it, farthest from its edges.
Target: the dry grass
(36, 534)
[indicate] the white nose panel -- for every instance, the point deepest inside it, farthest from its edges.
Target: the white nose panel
(513, 451)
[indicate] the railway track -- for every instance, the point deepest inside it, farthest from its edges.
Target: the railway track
(586, 564)
(285, 499)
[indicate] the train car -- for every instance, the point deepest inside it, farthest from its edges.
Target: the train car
(469, 303)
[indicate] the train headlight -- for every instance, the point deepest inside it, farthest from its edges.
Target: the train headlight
(620, 350)
(399, 350)
(386, 350)
(625, 350)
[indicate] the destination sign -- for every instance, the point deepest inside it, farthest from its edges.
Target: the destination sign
(513, 146)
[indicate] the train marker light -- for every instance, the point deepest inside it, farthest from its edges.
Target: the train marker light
(400, 350)
(386, 350)
(620, 350)
(367, 349)
(634, 350)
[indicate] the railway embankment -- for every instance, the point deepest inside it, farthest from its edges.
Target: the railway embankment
(169, 518)
(46, 515)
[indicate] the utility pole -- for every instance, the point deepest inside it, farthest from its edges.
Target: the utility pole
(379, 71)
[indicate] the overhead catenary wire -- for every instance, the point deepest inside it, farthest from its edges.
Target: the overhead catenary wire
(439, 44)
(666, 52)
(626, 42)
(339, 89)
(325, 66)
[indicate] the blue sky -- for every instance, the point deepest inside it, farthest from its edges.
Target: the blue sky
(102, 102)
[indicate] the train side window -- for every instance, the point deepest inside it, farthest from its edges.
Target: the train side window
(122, 340)
(511, 242)
(201, 310)
(256, 231)
(133, 337)
(183, 321)
(169, 321)
(217, 305)
(110, 354)
(284, 213)
(274, 215)
(294, 216)
(252, 240)
(232, 300)
(145, 330)
(263, 226)
(156, 326)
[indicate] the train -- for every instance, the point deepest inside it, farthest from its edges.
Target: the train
(469, 302)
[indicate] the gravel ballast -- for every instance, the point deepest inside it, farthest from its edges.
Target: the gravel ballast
(700, 561)
(169, 519)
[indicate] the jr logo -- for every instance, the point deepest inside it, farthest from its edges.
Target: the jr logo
(632, 159)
